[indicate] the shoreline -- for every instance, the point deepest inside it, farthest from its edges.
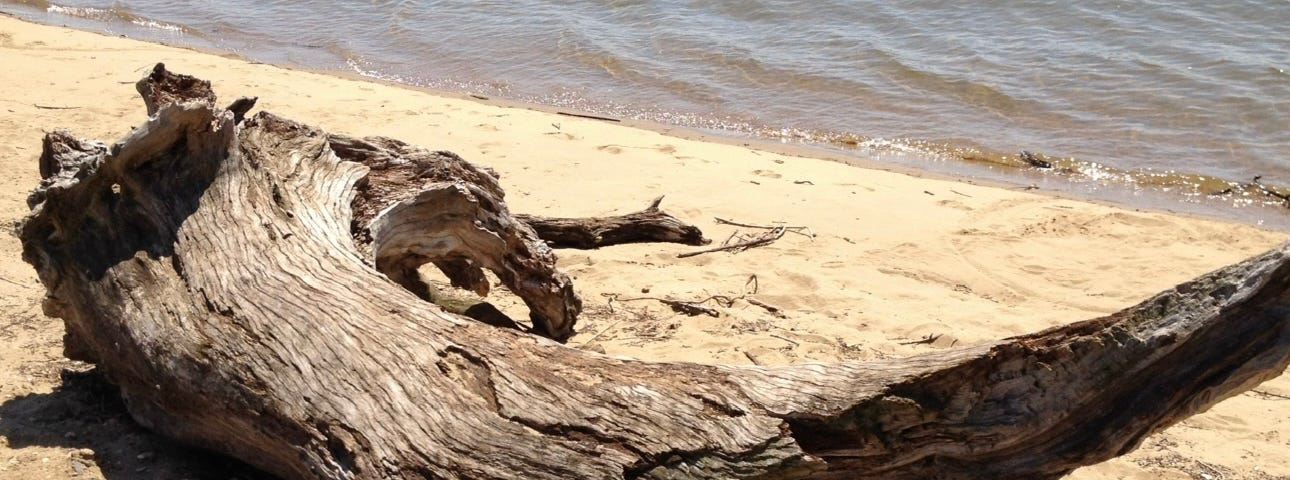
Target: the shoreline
(895, 257)
(935, 160)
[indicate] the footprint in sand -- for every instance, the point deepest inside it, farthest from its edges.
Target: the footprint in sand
(800, 281)
(955, 204)
(485, 147)
(614, 149)
(767, 173)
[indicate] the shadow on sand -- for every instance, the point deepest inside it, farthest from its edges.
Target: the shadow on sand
(86, 414)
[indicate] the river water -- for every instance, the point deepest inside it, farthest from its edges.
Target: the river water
(1163, 104)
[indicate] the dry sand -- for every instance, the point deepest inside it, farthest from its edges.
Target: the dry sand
(895, 257)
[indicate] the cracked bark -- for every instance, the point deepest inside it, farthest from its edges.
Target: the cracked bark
(240, 283)
(648, 225)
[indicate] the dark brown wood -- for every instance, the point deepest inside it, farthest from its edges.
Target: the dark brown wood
(240, 107)
(648, 225)
(162, 87)
(211, 270)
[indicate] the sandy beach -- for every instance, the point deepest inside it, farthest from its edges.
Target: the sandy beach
(890, 258)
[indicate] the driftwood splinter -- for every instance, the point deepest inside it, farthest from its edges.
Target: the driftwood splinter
(240, 284)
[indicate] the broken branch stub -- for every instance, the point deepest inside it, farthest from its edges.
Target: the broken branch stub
(209, 269)
(161, 87)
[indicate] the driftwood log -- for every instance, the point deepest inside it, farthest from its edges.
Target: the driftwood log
(240, 284)
(648, 225)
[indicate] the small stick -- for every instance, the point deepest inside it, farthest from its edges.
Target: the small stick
(929, 339)
(797, 230)
(689, 308)
(752, 359)
(53, 107)
(731, 238)
(602, 332)
(1033, 161)
(960, 193)
(1268, 191)
(755, 285)
(478, 97)
(786, 339)
(767, 239)
(585, 115)
(1270, 394)
(776, 311)
(13, 282)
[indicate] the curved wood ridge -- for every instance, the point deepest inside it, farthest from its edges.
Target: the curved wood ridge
(211, 270)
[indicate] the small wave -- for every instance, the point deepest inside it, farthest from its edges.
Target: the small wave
(114, 14)
(41, 4)
(92, 13)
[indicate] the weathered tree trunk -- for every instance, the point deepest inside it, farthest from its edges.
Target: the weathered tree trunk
(648, 225)
(234, 280)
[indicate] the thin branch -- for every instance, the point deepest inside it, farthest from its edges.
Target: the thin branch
(786, 339)
(765, 239)
(804, 231)
(602, 331)
(689, 308)
(53, 107)
(776, 311)
(585, 115)
(928, 340)
(1270, 394)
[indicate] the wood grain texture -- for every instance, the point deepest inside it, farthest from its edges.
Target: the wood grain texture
(648, 225)
(225, 277)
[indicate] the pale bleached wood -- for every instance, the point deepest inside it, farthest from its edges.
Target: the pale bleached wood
(215, 273)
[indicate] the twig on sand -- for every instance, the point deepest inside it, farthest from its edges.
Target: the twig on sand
(776, 311)
(929, 339)
(764, 239)
(803, 231)
(53, 107)
(602, 331)
(689, 308)
(786, 339)
(586, 115)
(1270, 394)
